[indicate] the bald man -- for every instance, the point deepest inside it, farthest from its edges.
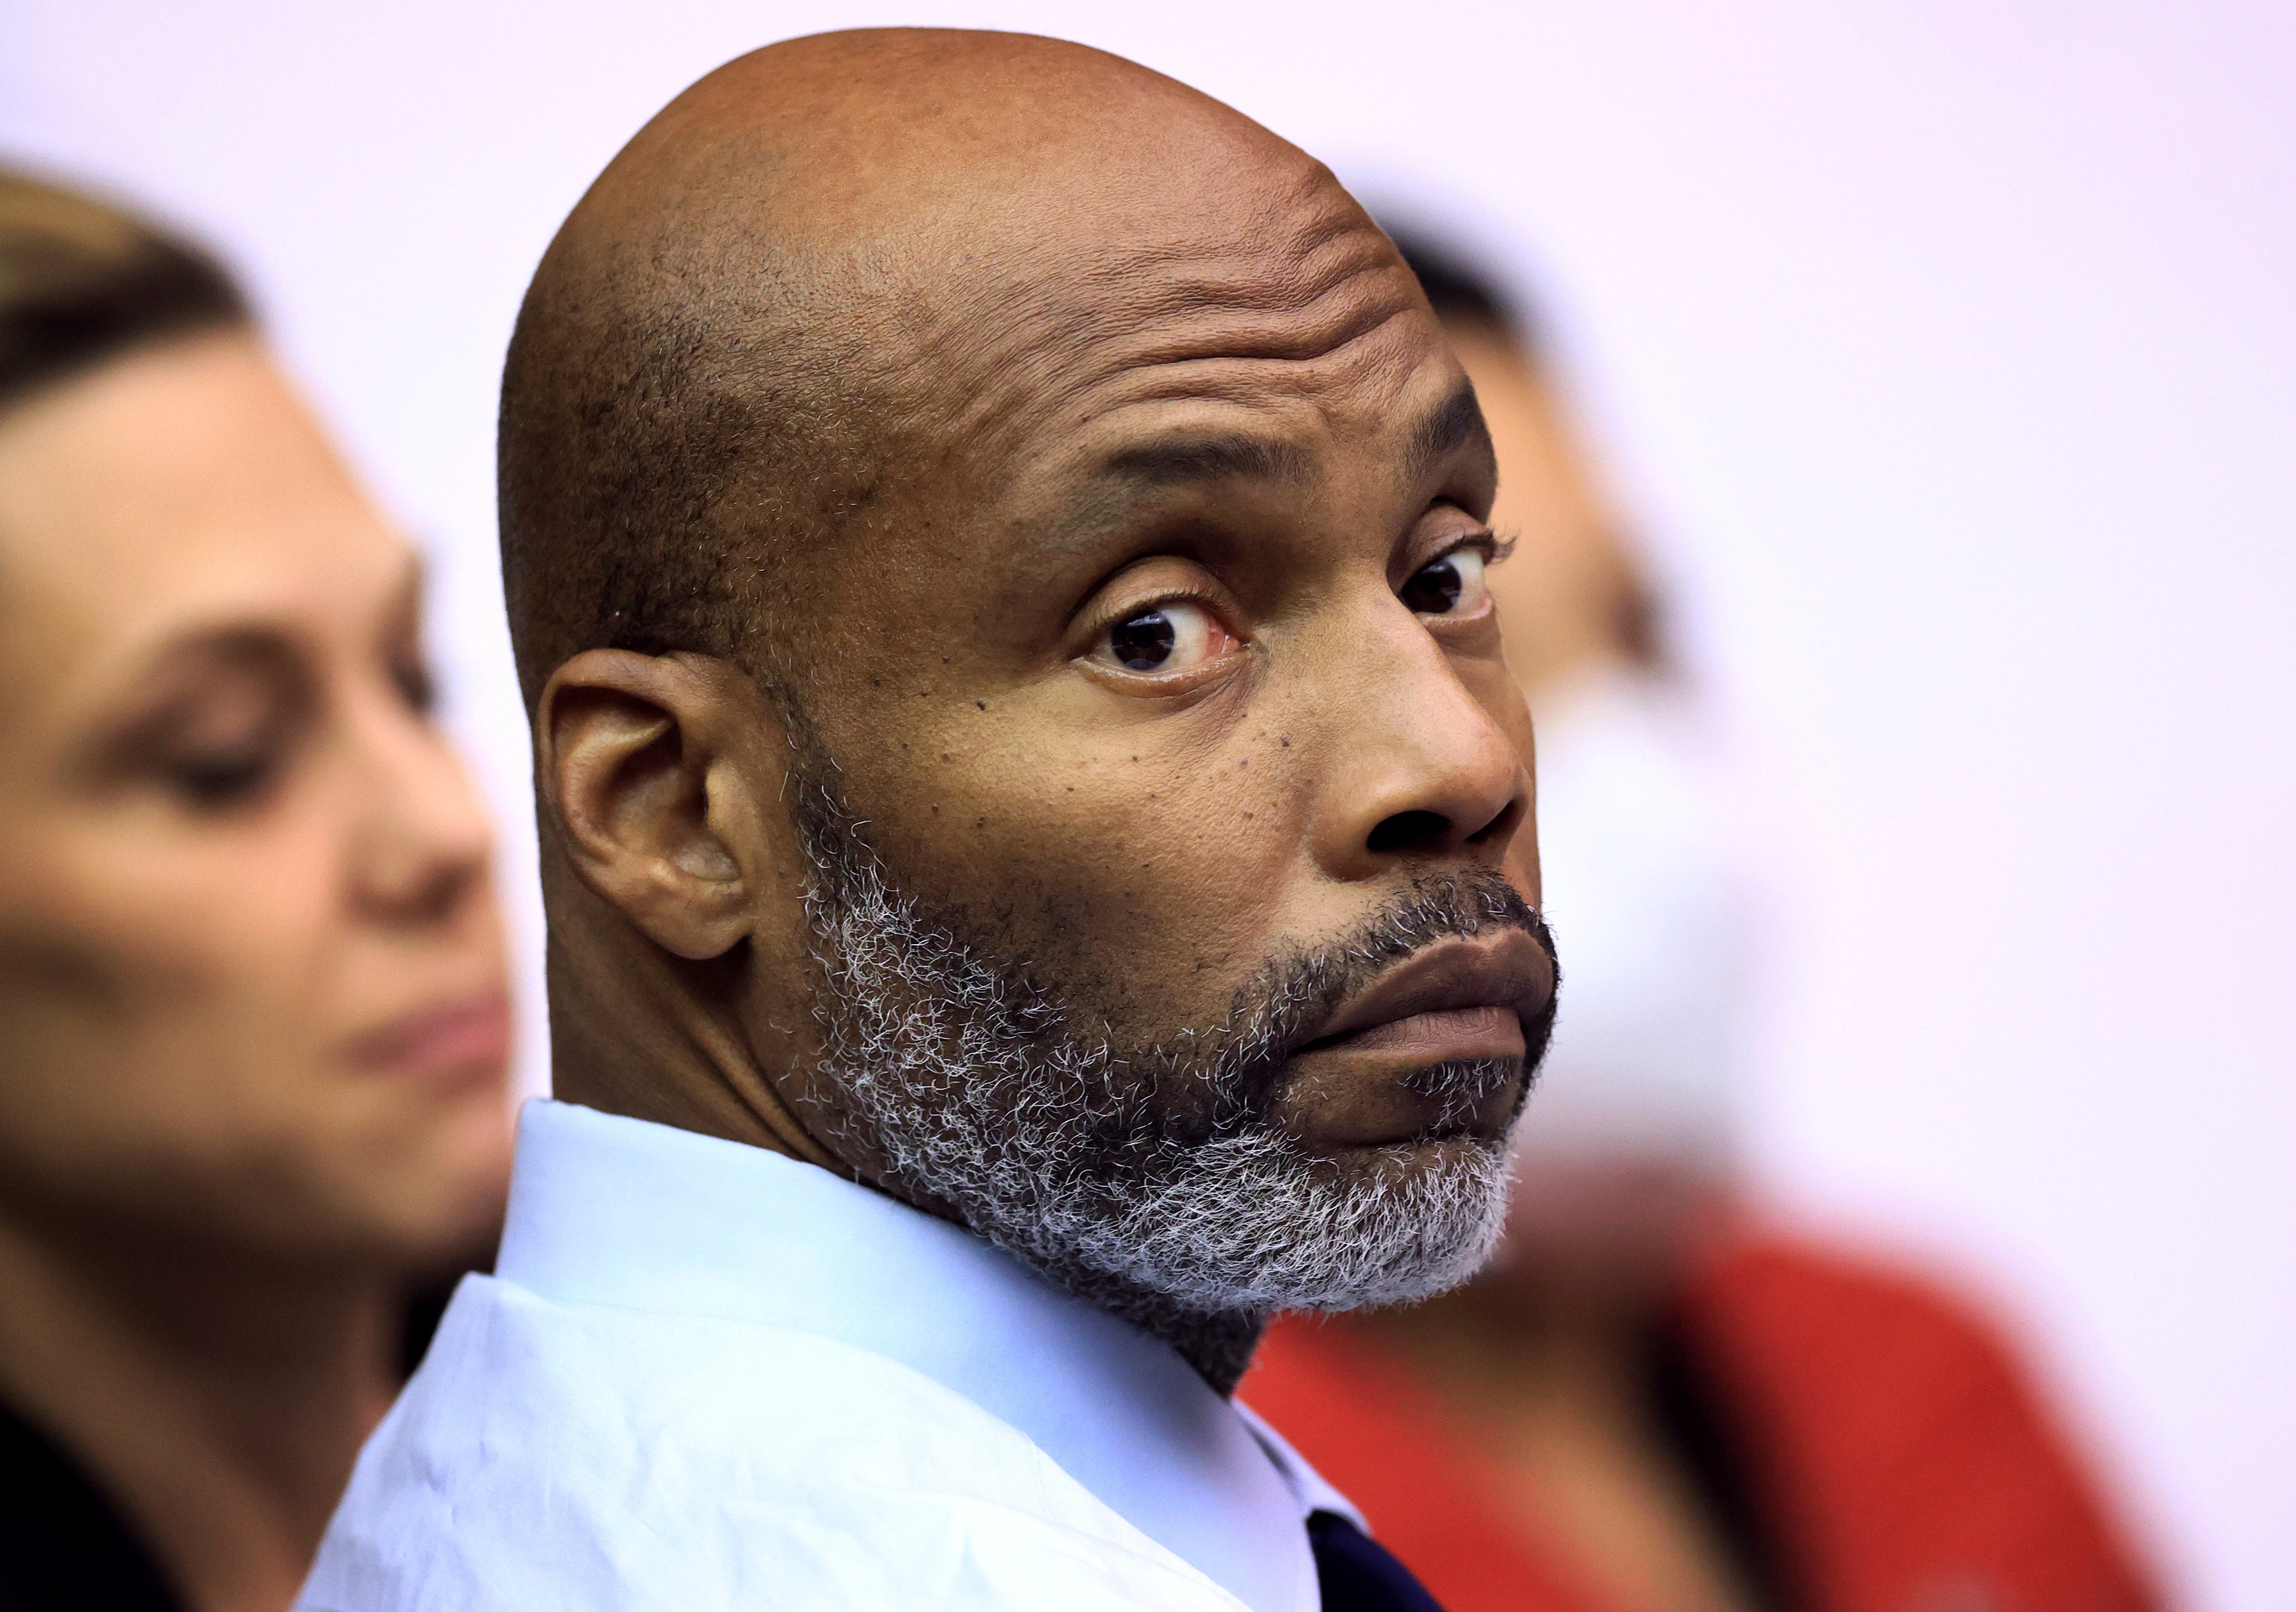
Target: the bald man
(1035, 831)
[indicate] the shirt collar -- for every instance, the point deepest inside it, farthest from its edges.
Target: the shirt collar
(606, 1210)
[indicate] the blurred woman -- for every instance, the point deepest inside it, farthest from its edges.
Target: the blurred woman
(253, 1020)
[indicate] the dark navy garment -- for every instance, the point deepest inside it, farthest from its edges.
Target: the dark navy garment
(1356, 1574)
(63, 1548)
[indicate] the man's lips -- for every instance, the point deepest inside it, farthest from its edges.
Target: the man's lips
(1466, 997)
(1442, 1035)
(1371, 1079)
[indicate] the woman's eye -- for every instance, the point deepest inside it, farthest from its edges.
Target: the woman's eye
(1168, 636)
(214, 780)
(1451, 586)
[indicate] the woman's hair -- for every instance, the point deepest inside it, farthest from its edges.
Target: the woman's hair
(82, 281)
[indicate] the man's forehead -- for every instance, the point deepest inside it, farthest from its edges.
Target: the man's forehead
(1108, 239)
(1081, 393)
(1093, 347)
(1434, 430)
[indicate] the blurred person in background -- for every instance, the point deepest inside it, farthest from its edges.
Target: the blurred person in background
(1652, 1400)
(253, 1020)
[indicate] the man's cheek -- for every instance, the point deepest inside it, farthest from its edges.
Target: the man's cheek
(1153, 937)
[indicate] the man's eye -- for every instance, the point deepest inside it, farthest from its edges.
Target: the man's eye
(1170, 637)
(1452, 586)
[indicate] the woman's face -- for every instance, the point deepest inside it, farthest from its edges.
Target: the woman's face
(251, 971)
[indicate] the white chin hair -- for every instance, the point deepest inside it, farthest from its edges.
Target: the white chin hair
(1251, 1223)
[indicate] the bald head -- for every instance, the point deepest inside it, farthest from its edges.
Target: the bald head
(837, 265)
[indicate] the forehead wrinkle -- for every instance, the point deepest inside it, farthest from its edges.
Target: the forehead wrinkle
(1327, 291)
(1194, 315)
(1196, 454)
(1112, 495)
(1219, 369)
(1158, 313)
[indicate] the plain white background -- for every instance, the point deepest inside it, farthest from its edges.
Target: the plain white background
(1947, 354)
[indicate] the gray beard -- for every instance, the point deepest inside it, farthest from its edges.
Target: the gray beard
(1146, 1178)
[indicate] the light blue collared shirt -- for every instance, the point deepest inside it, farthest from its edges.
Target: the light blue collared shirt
(656, 1226)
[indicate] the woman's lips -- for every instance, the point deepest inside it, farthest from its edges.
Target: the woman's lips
(468, 1038)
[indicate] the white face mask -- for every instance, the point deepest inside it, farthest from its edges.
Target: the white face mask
(1650, 920)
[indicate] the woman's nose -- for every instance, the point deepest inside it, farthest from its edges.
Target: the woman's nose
(425, 842)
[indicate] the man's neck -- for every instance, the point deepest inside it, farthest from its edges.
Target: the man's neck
(633, 1034)
(220, 1403)
(1217, 1344)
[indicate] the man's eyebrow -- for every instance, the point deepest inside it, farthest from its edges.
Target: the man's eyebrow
(1456, 422)
(1216, 455)
(1198, 457)
(1211, 457)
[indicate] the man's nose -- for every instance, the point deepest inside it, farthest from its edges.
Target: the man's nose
(423, 843)
(1424, 771)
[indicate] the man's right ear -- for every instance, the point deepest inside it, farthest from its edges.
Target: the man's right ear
(636, 773)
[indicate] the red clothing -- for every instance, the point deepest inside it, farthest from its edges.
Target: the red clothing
(1898, 1461)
